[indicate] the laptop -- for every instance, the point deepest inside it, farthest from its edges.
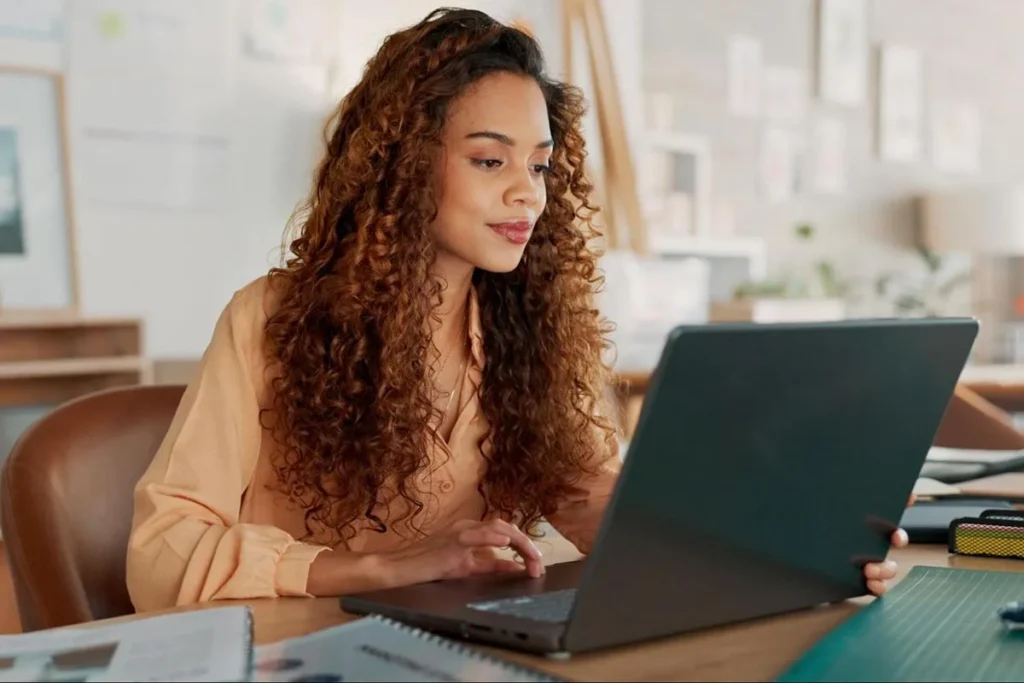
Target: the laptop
(769, 463)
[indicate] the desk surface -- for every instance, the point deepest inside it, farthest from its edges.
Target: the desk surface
(757, 650)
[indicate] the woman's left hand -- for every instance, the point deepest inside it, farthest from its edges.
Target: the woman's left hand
(879, 573)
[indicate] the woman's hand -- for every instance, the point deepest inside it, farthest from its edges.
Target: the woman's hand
(467, 548)
(879, 573)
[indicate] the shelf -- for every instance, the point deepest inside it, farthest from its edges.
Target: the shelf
(74, 367)
(720, 247)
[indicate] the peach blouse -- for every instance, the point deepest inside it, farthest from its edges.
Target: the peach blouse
(209, 522)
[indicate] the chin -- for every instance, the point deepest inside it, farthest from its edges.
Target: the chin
(501, 263)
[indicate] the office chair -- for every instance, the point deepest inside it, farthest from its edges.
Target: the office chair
(66, 502)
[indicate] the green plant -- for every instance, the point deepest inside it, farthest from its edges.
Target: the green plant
(824, 280)
(926, 295)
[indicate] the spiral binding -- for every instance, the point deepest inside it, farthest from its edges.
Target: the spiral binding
(463, 651)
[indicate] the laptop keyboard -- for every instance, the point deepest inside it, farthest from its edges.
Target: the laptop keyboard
(551, 607)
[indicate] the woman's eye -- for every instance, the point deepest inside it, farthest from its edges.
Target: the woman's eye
(541, 168)
(487, 163)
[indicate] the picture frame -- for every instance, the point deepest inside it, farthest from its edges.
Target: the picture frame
(900, 103)
(676, 177)
(843, 51)
(38, 248)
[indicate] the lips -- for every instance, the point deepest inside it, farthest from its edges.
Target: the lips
(516, 232)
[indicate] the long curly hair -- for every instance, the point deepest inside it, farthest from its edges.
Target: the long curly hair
(349, 343)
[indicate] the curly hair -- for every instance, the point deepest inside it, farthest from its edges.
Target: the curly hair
(349, 343)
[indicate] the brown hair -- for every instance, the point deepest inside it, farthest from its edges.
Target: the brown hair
(350, 338)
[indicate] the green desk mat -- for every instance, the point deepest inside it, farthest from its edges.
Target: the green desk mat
(937, 624)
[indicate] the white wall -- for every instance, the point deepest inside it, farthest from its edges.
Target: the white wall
(177, 268)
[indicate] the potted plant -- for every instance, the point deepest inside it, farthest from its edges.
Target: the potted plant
(923, 294)
(817, 295)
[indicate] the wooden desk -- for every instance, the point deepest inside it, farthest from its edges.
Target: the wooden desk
(757, 650)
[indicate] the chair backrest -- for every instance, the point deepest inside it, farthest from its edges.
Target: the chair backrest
(66, 502)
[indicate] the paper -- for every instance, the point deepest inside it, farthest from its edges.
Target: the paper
(288, 30)
(783, 94)
(900, 105)
(829, 167)
(989, 457)
(204, 645)
(843, 51)
(744, 77)
(661, 110)
(926, 486)
(32, 19)
(778, 164)
(154, 93)
(956, 137)
(375, 649)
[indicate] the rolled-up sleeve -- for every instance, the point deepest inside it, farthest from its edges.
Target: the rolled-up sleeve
(187, 544)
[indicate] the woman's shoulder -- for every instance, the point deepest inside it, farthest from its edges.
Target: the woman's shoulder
(256, 301)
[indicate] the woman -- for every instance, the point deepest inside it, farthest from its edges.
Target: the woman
(421, 382)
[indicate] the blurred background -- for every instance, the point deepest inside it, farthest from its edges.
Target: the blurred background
(760, 160)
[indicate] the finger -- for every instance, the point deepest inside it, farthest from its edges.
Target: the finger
(481, 536)
(900, 539)
(494, 565)
(880, 570)
(524, 546)
(878, 587)
(913, 499)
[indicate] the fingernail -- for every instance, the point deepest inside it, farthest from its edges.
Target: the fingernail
(904, 539)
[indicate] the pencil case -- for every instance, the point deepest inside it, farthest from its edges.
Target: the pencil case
(994, 533)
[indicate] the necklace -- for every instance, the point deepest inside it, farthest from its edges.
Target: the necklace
(459, 375)
(457, 385)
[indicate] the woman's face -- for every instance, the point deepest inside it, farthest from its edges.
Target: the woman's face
(491, 186)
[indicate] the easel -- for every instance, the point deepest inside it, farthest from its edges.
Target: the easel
(616, 185)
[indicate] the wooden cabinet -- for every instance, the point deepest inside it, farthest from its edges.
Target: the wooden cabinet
(50, 359)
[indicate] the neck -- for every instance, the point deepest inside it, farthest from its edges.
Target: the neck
(456, 278)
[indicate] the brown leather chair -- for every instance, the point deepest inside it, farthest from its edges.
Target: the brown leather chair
(971, 421)
(66, 502)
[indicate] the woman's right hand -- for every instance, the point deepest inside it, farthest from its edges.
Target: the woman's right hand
(466, 548)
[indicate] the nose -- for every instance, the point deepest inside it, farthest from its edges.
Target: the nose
(524, 189)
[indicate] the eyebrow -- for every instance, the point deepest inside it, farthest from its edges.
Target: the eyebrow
(504, 139)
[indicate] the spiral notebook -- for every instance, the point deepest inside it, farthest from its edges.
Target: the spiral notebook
(378, 649)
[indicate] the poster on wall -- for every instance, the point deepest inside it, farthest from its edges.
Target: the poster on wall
(900, 103)
(778, 165)
(744, 77)
(163, 103)
(37, 268)
(843, 51)
(12, 239)
(783, 94)
(829, 148)
(956, 137)
(288, 31)
(32, 19)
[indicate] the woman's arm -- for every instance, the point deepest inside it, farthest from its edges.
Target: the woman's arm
(187, 544)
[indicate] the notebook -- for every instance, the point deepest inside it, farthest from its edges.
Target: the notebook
(202, 645)
(378, 649)
(936, 624)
